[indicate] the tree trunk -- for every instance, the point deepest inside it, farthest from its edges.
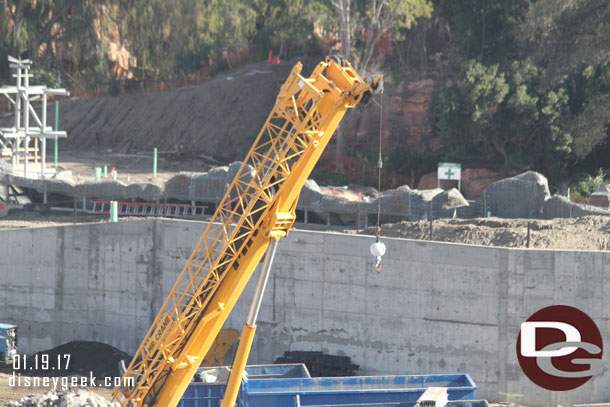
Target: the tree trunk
(343, 8)
(373, 34)
(500, 147)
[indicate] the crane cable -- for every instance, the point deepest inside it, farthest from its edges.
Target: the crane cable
(378, 248)
(379, 167)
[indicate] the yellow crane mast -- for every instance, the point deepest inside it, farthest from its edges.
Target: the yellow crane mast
(257, 210)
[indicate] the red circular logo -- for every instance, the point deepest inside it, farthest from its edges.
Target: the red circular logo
(1, 206)
(560, 348)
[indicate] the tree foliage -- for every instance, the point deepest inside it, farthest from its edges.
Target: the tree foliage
(535, 93)
(567, 36)
(362, 23)
(58, 34)
(505, 117)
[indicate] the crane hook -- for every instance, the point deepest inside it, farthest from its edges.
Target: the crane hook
(378, 249)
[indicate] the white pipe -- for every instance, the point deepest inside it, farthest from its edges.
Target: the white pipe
(263, 277)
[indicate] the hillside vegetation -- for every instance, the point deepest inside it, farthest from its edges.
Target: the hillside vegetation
(518, 84)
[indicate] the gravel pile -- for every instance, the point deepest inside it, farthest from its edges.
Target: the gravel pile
(69, 398)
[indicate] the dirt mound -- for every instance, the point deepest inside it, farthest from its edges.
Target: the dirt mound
(220, 117)
(585, 233)
(95, 358)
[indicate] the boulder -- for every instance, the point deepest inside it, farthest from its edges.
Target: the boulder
(208, 186)
(52, 185)
(179, 186)
(104, 189)
(310, 196)
(449, 200)
(211, 186)
(600, 197)
(368, 192)
(420, 204)
(146, 191)
(561, 207)
(521, 196)
(402, 201)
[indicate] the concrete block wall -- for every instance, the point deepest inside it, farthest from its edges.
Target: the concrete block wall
(434, 308)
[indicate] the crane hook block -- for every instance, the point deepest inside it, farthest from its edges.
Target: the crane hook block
(378, 249)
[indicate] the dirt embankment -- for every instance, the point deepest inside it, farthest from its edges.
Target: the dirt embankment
(220, 117)
(585, 233)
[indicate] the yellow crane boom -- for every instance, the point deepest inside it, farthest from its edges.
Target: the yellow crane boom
(258, 208)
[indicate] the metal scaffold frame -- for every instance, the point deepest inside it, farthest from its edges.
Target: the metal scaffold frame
(28, 126)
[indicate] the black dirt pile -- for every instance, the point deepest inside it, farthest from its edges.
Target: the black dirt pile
(320, 364)
(95, 358)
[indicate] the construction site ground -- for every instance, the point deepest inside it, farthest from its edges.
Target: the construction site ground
(138, 167)
(585, 233)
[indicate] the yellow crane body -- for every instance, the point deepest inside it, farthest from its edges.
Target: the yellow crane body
(259, 207)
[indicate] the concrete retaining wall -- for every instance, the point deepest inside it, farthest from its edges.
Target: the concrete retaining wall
(435, 307)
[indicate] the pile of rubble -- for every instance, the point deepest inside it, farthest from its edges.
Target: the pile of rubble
(67, 398)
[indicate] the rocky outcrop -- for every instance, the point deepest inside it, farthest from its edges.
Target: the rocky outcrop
(561, 207)
(405, 120)
(208, 186)
(402, 202)
(600, 197)
(521, 196)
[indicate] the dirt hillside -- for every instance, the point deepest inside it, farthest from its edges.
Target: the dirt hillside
(586, 233)
(220, 117)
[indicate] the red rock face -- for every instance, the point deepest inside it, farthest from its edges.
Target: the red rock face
(405, 120)
(474, 181)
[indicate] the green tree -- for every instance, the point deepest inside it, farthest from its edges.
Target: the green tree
(57, 34)
(362, 23)
(481, 29)
(285, 26)
(567, 36)
(170, 38)
(570, 38)
(509, 117)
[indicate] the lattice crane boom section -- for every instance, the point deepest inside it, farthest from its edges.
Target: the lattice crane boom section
(258, 206)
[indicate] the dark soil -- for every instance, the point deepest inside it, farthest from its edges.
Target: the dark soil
(86, 358)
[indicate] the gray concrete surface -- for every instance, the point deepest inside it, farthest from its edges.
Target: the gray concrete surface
(435, 307)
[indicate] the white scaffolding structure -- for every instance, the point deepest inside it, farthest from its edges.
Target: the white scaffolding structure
(15, 141)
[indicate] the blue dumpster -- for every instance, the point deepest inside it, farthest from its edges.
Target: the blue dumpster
(291, 386)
